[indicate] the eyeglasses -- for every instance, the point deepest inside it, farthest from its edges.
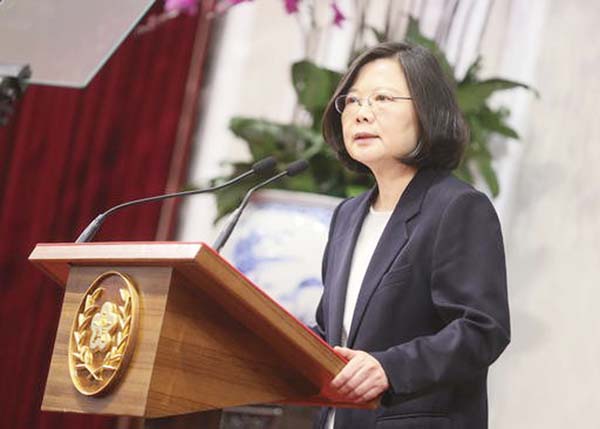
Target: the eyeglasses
(376, 100)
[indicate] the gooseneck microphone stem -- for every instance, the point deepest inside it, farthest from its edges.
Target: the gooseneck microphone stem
(259, 168)
(293, 169)
(93, 227)
(235, 216)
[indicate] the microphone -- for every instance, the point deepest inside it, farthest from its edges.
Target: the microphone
(293, 169)
(261, 168)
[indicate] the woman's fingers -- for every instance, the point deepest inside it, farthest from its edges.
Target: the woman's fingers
(340, 382)
(346, 352)
(366, 379)
(362, 379)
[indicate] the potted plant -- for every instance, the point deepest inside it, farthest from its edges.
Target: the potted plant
(314, 85)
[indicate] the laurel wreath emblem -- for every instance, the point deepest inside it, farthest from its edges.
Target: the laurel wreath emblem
(84, 355)
(103, 333)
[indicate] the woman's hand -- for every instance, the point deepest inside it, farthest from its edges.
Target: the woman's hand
(362, 379)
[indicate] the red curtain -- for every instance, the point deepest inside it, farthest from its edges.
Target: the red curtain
(66, 156)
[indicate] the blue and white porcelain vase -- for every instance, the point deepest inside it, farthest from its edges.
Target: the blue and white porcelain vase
(279, 243)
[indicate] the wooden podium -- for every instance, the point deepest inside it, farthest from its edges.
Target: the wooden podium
(205, 337)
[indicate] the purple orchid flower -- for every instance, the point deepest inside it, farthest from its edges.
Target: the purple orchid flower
(338, 16)
(188, 6)
(291, 6)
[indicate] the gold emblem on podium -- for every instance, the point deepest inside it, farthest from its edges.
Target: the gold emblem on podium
(103, 333)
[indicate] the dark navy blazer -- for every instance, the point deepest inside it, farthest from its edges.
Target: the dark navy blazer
(432, 306)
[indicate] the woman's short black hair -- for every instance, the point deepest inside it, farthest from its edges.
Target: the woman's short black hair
(443, 130)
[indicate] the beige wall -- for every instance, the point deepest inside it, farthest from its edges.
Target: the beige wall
(550, 375)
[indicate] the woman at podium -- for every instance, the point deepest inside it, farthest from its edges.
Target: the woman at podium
(414, 269)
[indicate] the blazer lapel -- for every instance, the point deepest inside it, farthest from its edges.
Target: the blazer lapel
(344, 245)
(392, 241)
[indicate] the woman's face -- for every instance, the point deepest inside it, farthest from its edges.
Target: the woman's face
(378, 135)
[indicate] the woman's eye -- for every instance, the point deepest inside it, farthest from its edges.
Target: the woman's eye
(351, 100)
(383, 98)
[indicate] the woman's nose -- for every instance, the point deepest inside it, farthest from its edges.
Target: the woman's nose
(364, 114)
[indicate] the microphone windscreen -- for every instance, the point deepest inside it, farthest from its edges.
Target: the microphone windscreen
(297, 167)
(264, 166)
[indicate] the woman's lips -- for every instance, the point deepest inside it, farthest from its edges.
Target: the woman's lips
(364, 137)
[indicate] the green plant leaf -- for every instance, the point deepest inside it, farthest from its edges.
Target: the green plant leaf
(472, 71)
(484, 163)
(354, 190)
(473, 95)
(478, 134)
(380, 36)
(493, 120)
(266, 137)
(230, 198)
(260, 135)
(302, 183)
(314, 86)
